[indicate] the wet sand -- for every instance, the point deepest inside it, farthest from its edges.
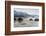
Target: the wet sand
(26, 24)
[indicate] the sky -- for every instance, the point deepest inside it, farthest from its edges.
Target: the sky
(28, 10)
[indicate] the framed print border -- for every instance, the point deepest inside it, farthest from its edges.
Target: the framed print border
(8, 17)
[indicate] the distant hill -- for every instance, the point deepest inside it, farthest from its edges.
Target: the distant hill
(22, 14)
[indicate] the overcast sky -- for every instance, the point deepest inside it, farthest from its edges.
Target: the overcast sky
(28, 10)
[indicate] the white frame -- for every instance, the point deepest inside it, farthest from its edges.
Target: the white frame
(25, 28)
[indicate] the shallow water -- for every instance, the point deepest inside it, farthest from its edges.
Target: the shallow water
(26, 24)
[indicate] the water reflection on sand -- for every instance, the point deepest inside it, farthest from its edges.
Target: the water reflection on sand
(26, 24)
